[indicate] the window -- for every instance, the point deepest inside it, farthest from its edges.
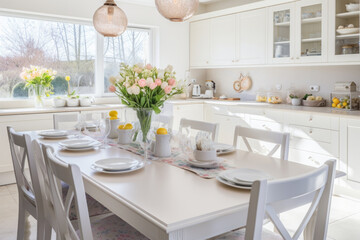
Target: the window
(68, 48)
(132, 47)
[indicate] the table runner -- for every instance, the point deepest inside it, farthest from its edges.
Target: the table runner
(177, 159)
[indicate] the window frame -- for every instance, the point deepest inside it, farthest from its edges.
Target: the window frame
(99, 55)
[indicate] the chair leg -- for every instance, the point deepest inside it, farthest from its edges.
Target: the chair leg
(48, 231)
(21, 220)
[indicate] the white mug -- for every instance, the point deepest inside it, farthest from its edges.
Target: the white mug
(205, 156)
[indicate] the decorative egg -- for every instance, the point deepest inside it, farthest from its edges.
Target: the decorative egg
(341, 27)
(350, 26)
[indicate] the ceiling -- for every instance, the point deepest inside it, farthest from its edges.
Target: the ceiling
(152, 2)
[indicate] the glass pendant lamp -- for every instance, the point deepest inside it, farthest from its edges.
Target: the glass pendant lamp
(177, 10)
(109, 20)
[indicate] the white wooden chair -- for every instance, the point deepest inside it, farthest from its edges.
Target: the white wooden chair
(281, 140)
(163, 120)
(267, 197)
(30, 198)
(65, 118)
(212, 128)
(57, 211)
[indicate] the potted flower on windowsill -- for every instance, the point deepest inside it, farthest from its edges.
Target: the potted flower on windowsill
(38, 81)
(72, 99)
(145, 89)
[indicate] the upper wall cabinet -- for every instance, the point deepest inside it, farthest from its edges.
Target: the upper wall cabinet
(223, 40)
(344, 31)
(229, 40)
(298, 32)
(251, 37)
(200, 43)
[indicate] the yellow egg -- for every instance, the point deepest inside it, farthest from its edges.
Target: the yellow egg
(121, 127)
(113, 113)
(128, 126)
(162, 131)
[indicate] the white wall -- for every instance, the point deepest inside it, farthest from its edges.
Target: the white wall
(173, 37)
(266, 78)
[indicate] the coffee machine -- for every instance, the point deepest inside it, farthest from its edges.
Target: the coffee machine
(210, 89)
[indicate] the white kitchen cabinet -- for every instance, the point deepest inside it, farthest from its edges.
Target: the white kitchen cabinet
(190, 111)
(200, 43)
(350, 148)
(19, 123)
(311, 28)
(223, 40)
(339, 16)
(281, 40)
(251, 37)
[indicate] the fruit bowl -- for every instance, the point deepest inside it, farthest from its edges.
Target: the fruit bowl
(314, 103)
(344, 31)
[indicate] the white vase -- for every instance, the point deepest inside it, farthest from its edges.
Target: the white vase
(162, 145)
(125, 136)
(114, 128)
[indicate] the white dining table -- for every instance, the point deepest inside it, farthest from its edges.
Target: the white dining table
(165, 202)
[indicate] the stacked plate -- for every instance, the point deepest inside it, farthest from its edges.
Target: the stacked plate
(205, 164)
(53, 134)
(117, 165)
(223, 148)
(242, 178)
(79, 145)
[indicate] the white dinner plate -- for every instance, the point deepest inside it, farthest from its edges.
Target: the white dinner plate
(244, 176)
(116, 164)
(81, 149)
(232, 184)
(212, 164)
(222, 148)
(53, 134)
(98, 169)
(78, 143)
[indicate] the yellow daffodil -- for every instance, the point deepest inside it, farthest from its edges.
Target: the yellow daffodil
(67, 78)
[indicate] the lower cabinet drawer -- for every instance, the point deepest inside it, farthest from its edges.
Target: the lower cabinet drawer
(308, 158)
(317, 134)
(309, 145)
(313, 120)
(264, 125)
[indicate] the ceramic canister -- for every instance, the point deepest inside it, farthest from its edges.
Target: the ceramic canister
(113, 128)
(162, 145)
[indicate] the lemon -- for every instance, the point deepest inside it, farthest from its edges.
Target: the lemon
(336, 100)
(344, 104)
(334, 105)
(128, 126)
(113, 118)
(162, 131)
(113, 113)
(121, 127)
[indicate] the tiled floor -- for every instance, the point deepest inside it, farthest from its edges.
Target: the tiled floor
(344, 217)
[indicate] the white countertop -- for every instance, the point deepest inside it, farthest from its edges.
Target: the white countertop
(324, 110)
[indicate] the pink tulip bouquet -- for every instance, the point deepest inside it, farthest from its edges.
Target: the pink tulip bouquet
(145, 89)
(148, 87)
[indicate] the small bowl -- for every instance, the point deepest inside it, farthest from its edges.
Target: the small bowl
(296, 101)
(347, 31)
(72, 102)
(351, 7)
(205, 156)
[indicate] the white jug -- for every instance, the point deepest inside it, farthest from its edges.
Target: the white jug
(162, 145)
(113, 128)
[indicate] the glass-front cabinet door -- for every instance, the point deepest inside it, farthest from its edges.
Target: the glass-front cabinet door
(344, 30)
(281, 41)
(311, 31)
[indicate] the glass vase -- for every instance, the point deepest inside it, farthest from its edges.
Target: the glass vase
(38, 93)
(144, 116)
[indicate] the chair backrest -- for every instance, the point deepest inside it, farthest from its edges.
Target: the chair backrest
(212, 128)
(59, 118)
(58, 172)
(163, 120)
(281, 140)
(266, 195)
(23, 157)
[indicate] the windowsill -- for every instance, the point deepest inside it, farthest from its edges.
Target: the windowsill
(26, 106)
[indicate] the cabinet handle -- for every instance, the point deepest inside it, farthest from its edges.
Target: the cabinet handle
(311, 131)
(207, 62)
(310, 119)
